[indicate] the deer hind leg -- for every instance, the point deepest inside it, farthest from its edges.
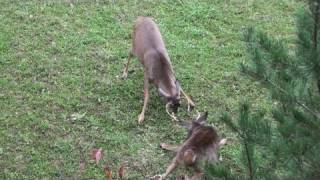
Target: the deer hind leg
(169, 147)
(146, 99)
(191, 104)
(125, 70)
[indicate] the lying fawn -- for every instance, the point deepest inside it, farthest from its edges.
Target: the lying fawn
(202, 144)
(148, 46)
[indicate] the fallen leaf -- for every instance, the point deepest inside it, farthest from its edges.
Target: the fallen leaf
(108, 172)
(121, 172)
(96, 154)
(82, 166)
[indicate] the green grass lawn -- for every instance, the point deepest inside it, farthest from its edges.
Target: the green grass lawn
(61, 95)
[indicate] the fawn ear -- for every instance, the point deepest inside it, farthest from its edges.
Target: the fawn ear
(202, 119)
(222, 142)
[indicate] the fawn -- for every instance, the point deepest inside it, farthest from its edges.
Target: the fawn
(148, 46)
(202, 144)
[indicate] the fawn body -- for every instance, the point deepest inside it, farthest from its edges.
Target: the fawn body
(202, 144)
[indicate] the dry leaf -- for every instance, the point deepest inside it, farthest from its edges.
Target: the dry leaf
(82, 166)
(121, 172)
(108, 172)
(96, 154)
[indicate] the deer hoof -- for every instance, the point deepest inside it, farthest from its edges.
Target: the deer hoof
(141, 118)
(163, 146)
(190, 107)
(124, 75)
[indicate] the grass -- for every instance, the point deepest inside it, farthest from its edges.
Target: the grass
(61, 95)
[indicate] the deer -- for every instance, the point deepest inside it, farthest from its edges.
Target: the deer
(201, 145)
(149, 47)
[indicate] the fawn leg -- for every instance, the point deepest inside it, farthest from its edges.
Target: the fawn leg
(146, 99)
(125, 70)
(191, 104)
(170, 168)
(169, 147)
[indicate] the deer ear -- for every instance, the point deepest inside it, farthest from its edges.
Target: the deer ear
(163, 93)
(202, 119)
(222, 142)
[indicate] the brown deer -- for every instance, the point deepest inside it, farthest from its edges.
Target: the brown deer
(148, 46)
(202, 144)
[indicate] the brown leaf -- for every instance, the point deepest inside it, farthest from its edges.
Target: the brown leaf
(96, 155)
(108, 172)
(121, 172)
(82, 166)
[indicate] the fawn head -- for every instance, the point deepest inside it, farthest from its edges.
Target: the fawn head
(196, 123)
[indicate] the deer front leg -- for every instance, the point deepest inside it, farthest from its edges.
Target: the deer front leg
(125, 70)
(146, 99)
(191, 104)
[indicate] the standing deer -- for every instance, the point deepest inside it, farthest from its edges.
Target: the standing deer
(202, 144)
(148, 46)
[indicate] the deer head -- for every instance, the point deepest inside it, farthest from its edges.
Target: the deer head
(172, 101)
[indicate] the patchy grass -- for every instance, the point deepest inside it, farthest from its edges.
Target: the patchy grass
(61, 95)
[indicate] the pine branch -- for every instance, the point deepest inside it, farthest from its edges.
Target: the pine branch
(315, 33)
(228, 121)
(315, 114)
(316, 13)
(249, 160)
(315, 28)
(242, 130)
(318, 81)
(293, 79)
(253, 74)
